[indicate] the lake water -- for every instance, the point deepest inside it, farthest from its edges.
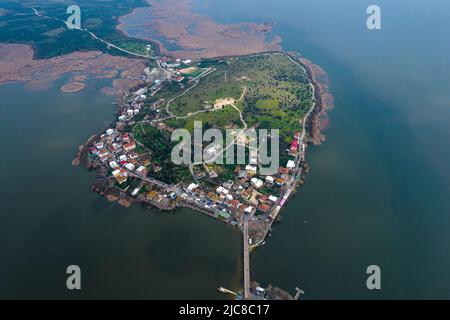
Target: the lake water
(50, 218)
(377, 193)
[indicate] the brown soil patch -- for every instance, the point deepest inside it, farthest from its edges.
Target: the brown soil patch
(220, 103)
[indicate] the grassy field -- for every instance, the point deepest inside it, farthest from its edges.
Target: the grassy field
(216, 118)
(278, 94)
(213, 87)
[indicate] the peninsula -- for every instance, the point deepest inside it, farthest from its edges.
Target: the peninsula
(266, 90)
(228, 78)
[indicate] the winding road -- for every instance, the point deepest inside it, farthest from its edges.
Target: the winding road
(70, 26)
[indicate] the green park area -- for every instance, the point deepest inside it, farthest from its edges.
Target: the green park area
(271, 90)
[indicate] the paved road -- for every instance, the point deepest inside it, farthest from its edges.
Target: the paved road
(150, 180)
(246, 261)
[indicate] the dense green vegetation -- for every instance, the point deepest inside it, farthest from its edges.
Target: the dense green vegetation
(155, 140)
(51, 38)
(159, 144)
(217, 118)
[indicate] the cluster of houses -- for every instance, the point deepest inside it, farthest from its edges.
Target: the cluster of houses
(166, 63)
(161, 199)
(236, 198)
(250, 193)
(174, 66)
(118, 151)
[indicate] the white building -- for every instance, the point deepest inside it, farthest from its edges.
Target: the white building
(290, 164)
(219, 189)
(113, 164)
(135, 192)
(270, 179)
(251, 169)
(130, 166)
(222, 190)
(140, 170)
(192, 186)
(257, 182)
(116, 173)
(140, 91)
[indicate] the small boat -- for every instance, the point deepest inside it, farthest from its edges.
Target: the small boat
(224, 290)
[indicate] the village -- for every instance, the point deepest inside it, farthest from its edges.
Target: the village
(129, 169)
(247, 200)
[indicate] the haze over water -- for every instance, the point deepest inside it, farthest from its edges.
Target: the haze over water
(377, 193)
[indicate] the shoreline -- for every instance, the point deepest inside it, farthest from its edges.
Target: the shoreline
(324, 100)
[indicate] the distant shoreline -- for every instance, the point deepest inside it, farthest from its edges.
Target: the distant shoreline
(196, 35)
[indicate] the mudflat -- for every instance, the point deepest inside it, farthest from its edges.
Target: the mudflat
(17, 64)
(186, 34)
(73, 87)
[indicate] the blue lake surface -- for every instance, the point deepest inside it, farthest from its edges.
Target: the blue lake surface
(378, 191)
